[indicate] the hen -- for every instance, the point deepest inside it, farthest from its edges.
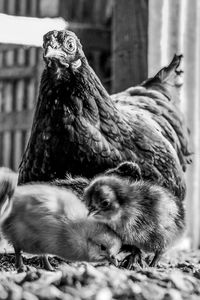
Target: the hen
(80, 129)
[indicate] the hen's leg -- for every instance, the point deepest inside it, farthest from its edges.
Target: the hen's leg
(134, 258)
(19, 260)
(45, 263)
(156, 259)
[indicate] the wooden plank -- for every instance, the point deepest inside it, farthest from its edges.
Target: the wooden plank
(21, 56)
(9, 58)
(174, 28)
(130, 31)
(192, 94)
(2, 6)
(21, 120)
(31, 94)
(19, 94)
(8, 97)
(32, 56)
(154, 40)
(22, 7)
(6, 148)
(17, 72)
(33, 9)
(11, 7)
(1, 148)
(49, 8)
(18, 149)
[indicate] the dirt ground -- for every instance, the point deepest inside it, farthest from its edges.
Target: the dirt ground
(177, 277)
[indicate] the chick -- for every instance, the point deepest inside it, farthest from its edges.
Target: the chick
(143, 214)
(43, 219)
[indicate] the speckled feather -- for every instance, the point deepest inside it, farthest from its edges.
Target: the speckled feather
(78, 128)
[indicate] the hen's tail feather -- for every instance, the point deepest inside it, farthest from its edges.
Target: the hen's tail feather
(8, 183)
(167, 80)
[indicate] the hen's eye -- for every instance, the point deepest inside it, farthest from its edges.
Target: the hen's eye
(70, 45)
(103, 248)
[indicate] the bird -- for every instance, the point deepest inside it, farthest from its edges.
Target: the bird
(78, 128)
(146, 216)
(44, 219)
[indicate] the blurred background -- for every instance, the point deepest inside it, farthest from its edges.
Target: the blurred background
(124, 41)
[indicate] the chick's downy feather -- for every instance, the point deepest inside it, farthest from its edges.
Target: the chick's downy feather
(80, 129)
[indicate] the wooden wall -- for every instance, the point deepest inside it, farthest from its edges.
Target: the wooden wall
(174, 27)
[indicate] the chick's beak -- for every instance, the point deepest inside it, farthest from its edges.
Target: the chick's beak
(112, 259)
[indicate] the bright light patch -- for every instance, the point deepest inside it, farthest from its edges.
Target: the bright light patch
(27, 30)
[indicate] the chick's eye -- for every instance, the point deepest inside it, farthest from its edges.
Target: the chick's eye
(105, 203)
(103, 248)
(70, 45)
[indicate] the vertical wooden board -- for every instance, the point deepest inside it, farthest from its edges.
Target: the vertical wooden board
(11, 7)
(20, 56)
(12, 150)
(30, 93)
(154, 36)
(33, 9)
(2, 6)
(130, 29)
(18, 149)
(6, 148)
(49, 8)
(9, 58)
(22, 7)
(8, 96)
(174, 28)
(32, 56)
(1, 149)
(1, 58)
(19, 94)
(1, 95)
(191, 92)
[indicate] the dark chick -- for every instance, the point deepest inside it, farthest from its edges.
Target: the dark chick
(144, 215)
(42, 219)
(80, 129)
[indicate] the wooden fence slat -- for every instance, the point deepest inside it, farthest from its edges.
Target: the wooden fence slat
(130, 29)
(17, 72)
(154, 36)
(192, 94)
(20, 56)
(18, 149)
(22, 7)
(9, 58)
(6, 148)
(30, 94)
(2, 6)
(8, 97)
(21, 120)
(19, 94)
(11, 7)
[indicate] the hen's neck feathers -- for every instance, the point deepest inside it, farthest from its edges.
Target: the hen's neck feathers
(79, 90)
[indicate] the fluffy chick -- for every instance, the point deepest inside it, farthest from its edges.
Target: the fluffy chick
(143, 214)
(43, 219)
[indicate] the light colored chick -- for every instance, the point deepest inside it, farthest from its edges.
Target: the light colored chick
(43, 219)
